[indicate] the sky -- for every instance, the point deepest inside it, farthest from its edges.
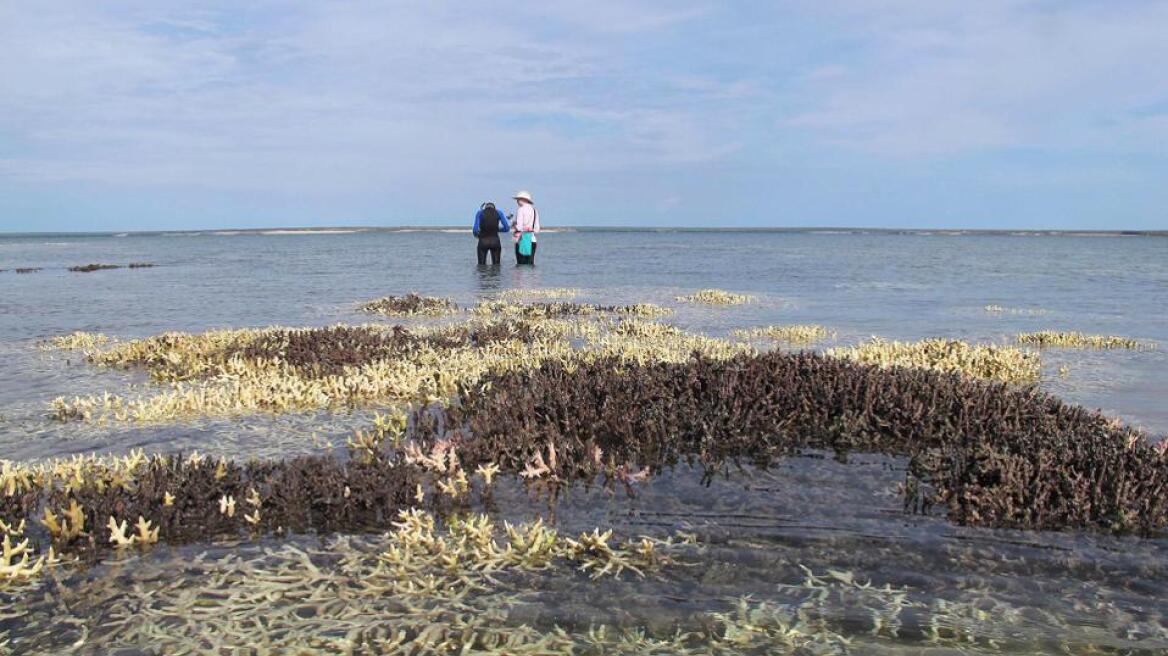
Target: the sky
(146, 115)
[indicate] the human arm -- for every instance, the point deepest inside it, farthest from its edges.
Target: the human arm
(504, 226)
(478, 218)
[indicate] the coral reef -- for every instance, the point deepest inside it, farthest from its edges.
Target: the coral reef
(83, 505)
(410, 305)
(232, 372)
(27, 269)
(990, 454)
(556, 293)
(78, 340)
(1055, 339)
(977, 360)
(795, 334)
(716, 297)
(425, 588)
(561, 310)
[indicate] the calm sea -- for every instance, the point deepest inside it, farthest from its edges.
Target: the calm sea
(1090, 591)
(897, 286)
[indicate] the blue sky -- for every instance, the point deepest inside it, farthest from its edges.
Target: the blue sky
(884, 113)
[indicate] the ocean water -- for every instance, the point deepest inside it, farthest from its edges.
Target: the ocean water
(1038, 592)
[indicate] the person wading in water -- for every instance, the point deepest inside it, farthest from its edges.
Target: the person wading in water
(526, 228)
(489, 222)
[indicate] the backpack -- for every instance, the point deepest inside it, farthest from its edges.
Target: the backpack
(489, 221)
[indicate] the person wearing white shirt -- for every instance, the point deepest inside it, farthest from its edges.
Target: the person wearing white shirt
(526, 221)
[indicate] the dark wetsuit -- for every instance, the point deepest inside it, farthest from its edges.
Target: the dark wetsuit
(489, 222)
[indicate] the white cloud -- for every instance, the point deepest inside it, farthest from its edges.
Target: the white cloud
(386, 100)
(938, 80)
(143, 96)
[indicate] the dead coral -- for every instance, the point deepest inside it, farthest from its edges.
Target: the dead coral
(1055, 339)
(538, 311)
(985, 361)
(78, 340)
(232, 372)
(557, 293)
(425, 588)
(717, 297)
(410, 305)
(794, 334)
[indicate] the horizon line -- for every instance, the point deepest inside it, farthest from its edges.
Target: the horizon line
(273, 231)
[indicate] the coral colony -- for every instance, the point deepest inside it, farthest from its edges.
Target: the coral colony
(549, 393)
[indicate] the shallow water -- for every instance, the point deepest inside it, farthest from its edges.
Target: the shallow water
(963, 589)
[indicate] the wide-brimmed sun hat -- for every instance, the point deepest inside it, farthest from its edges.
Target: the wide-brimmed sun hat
(523, 195)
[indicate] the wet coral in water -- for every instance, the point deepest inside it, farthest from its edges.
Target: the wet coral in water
(427, 587)
(536, 311)
(86, 504)
(1055, 339)
(76, 340)
(794, 334)
(717, 297)
(232, 372)
(991, 454)
(985, 361)
(556, 293)
(410, 305)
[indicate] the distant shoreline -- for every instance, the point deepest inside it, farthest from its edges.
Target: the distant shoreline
(346, 230)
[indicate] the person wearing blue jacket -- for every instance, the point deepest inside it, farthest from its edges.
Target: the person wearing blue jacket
(488, 223)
